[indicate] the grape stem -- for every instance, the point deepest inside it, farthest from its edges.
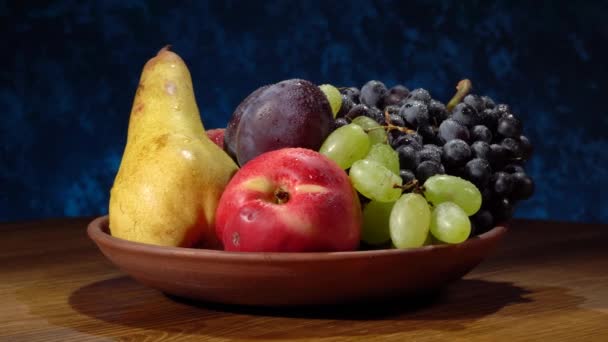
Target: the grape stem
(412, 186)
(462, 89)
(389, 126)
(405, 130)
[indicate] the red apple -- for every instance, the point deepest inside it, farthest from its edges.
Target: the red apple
(289, 200)
(217, 136)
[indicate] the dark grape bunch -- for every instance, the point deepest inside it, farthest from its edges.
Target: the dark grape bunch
(471, 137)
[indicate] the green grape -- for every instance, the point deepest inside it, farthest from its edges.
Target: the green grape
(376, 133)
(385, 155)
(375, 222)
(346, 145)
(409, 221)
(333, 96)
(375, 181)
(445, 188)
(449, 223)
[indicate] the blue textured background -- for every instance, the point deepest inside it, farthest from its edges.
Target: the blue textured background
(69, 71)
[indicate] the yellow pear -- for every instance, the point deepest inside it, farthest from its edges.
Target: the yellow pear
(171, 175)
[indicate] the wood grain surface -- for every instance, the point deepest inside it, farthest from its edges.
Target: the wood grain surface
(547, 282)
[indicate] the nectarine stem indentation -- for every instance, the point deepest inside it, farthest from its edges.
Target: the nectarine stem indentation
(281, 196)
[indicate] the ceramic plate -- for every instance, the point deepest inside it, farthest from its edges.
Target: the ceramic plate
(292, 279)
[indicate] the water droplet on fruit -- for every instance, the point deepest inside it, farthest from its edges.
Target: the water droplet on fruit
(236, 239)
(248, 215)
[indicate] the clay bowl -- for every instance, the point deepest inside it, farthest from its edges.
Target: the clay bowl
(292, 279)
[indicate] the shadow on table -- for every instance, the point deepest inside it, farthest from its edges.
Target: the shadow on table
(451, 303)
(122, 301)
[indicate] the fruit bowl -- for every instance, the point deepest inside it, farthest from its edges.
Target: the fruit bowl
(293, 279)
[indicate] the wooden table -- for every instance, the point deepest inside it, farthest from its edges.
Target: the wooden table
(547, 282)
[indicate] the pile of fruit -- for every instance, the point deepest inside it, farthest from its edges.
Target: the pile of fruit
(417, 137)
(304, 168)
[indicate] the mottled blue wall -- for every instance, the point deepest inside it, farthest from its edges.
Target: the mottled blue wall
(69, 72)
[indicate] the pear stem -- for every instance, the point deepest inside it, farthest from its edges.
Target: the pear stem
(164, 48)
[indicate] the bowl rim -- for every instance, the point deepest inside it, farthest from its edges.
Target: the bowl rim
(98, 231)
